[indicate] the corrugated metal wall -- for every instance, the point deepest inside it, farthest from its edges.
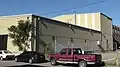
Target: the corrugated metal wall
(66, 35)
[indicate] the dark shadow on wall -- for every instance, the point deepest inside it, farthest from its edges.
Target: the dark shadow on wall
(3, 42)
(116, 43)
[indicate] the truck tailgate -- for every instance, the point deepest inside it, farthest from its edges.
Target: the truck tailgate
(98, 57)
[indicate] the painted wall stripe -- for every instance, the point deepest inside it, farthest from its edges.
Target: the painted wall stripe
(86, 20)
(93, 20)
(79, 20)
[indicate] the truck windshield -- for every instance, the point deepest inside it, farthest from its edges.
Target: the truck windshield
(77, 51)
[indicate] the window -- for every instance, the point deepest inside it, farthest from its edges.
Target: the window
(71, 40)
(28, 53)
(85, 41)
(77, 51)
(0, 52)
(27, 18)
(53, 38)
(64, 51)
(69, 51)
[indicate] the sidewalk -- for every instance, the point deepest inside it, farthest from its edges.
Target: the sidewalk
(111, 66)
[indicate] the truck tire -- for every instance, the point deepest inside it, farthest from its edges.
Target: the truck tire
(82, 63)
(16, 59)
(53, 61)
(1, 58)
(30, 61)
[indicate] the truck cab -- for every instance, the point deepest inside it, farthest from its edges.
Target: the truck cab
(75, 56)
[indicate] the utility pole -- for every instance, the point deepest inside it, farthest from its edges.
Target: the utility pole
(72, 42)
(117, 58)
(68, 44)
(55, 45)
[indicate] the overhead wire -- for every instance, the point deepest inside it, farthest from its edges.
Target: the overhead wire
(67, 9)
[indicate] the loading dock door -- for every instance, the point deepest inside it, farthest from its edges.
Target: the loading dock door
(3, 42)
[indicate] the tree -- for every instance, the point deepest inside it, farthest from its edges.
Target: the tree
(21, 34)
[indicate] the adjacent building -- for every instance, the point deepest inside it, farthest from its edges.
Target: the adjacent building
(116, 37)
(7, 21)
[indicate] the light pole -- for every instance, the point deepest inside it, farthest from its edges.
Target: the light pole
(117, 58)
(55, 45)
(72, 42)
(54, 42)
(98, 42)
(68, 44)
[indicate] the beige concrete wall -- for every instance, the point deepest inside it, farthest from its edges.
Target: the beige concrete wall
(97, 23)
(66, 18)
(81, 20)
(88, 20)
(7, 21)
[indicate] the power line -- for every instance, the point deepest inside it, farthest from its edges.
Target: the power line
(67, 9)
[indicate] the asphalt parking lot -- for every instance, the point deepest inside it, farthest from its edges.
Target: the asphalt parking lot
(12, 63)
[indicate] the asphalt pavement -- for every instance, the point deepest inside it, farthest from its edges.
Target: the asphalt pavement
(12, 63)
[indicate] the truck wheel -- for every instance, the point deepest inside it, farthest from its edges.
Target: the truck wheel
(82, 64)
(30, 60)
(16, 59)
(1, 58)
(53, 61)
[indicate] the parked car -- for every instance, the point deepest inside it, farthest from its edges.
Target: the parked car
(16, 53)
(5, 54)
(75, 56)
(30, 56)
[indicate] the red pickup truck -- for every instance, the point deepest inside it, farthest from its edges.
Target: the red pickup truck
(75, 56)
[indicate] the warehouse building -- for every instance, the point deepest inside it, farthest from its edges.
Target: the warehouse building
(96, 21)
(58, 34)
